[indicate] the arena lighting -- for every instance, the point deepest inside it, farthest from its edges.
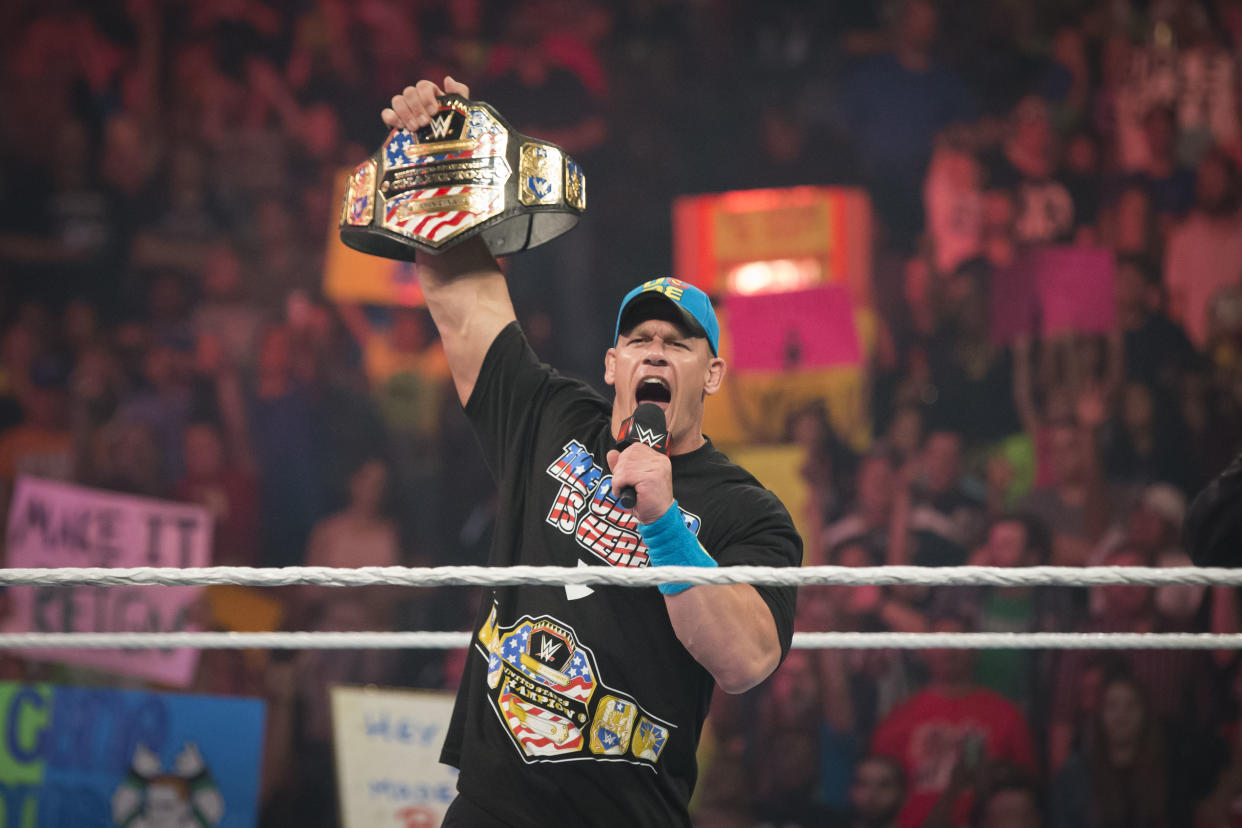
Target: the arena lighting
(773, 276)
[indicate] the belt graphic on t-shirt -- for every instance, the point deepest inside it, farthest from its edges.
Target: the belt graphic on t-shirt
(544, 687)
(586, 508)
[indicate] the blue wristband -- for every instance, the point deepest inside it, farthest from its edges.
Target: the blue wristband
(671, 543)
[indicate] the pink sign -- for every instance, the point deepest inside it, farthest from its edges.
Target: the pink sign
(58, 524)
(792, 331)
(1077, 289)
(1054, 290)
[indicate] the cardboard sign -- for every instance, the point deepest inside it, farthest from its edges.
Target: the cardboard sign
(58, 525)
(1052, 291)
(830, 226)
(1077, 289)
(388, 757)
(87, 756)
(793, 331)
(351, 276)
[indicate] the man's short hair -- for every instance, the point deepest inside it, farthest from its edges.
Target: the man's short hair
(1038, 536)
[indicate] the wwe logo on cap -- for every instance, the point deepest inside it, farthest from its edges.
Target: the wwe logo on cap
(440, 125)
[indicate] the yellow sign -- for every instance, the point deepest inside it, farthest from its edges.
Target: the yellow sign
(350, 276)
(781, 232)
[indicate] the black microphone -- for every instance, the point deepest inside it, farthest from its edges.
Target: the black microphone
(646, 426)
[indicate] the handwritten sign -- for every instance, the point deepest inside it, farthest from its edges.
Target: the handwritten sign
(89, 756)
(793, 331)
(388, 757)
(58, 524)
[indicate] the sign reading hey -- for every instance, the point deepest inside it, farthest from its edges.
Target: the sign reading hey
(388, 757)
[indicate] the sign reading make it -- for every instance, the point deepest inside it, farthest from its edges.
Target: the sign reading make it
(61, 525)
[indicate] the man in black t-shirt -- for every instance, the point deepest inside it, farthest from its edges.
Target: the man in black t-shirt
(583, 706)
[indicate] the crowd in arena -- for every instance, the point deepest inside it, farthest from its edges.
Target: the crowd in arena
(167, 174)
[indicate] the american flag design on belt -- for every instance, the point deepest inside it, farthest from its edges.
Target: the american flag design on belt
(544, 687)
(435, 214)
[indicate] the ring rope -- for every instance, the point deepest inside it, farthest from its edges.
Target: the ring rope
(318, 640)
(623, 576)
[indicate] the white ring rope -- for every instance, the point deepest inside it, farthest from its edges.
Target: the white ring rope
(454, 640)
(623, 576)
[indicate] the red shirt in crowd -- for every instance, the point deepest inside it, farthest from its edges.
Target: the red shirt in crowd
(926, 734)
(232, 498)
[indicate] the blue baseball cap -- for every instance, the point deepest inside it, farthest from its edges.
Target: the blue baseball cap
(692, 304)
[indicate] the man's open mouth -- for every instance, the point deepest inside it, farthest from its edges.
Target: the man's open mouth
(653, 390)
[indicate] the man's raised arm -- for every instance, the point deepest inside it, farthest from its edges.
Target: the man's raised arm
(465, 290)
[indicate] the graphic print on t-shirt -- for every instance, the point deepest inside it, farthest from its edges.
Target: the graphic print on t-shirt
(935, 747)
(586, 508)
(544, 686)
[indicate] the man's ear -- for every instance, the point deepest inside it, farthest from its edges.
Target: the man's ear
(715, 375)
(610, 366)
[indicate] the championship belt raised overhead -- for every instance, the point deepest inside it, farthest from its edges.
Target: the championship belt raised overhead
(466, 173)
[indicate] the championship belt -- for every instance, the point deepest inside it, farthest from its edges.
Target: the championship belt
(466, 173)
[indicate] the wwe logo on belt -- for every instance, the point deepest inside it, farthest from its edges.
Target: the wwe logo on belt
(440, 125)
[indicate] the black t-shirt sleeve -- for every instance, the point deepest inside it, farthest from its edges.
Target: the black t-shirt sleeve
(516, 398)
(766, 537)
(1213, 528)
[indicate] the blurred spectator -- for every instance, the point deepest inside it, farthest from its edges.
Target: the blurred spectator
(1026, 166)
(125, 457)
(1075, 500)
(827, 468)
(1170, 184)
(1144, 442)
(1205, 251)
(893, 105)
(1165, 673)
(162, 403)
(180, 236)
(786, 758)
(1157, 351)
(283, 426)
(1153, 531)
(877, 794)
(1081, 173)
(409, 377)
(972, 378)
(946, 519)
(224, 311)
(869, 519)
(1021, 676)
(41, 445)
(229, 493)
(953, 201)
(1010, 801)
(928, 733)
(1122, 778)
(362, 534)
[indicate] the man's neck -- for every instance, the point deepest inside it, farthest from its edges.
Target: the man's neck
(685, 445)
